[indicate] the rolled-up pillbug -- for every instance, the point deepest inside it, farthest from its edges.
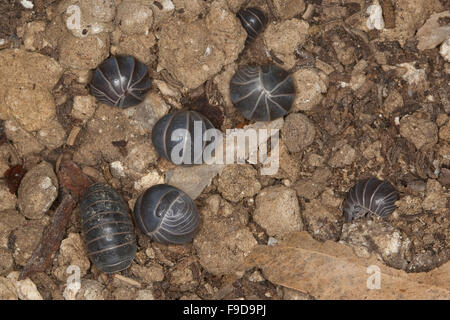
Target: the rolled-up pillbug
(370, 196)
(178, 137)
(253, 20)
(108, 230)
(262, 93)
(166, 214)
(120, 81)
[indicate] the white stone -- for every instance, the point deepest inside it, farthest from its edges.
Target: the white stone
(26, 289)
(193, 180)
(412, 75)
(167, 5)
(117, 169)
(46, 183)
(150, 179)
(27, 4)
(272, 241)
(445, 50)
(375, 20)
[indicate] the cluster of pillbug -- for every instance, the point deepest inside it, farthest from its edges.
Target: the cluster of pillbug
(260, 92)
(164, 213)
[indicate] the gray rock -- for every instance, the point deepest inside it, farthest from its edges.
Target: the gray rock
(90, 290)
(310, 188)
(223, 242)
(195, 51)
(83, 107)
(134, 17)
(7, 199)
(25, 240)
(37, 191)
(286, 9)
(343, 156)
(378, 237)
(9, 221)
(322, 222)
(298, 132)
(149, 273)
(193, 180)
(238, 181)
(182, 276)
(419, 130)
(145, 294)
(72, 252)
(7, 290)
(432, 33)
(26, 289)
(277, 211)
(311, 85)
(52, 135)
(25, 142)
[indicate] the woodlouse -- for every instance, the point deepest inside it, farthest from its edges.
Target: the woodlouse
(370, 196)
(166, 214)
(253, 20)
(174, 136)
(262, 93)
(107, 228)
(120, 81)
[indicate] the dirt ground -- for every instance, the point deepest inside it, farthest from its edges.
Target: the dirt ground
(372, 100)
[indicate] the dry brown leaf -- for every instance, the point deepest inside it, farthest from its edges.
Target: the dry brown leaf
(331, 270)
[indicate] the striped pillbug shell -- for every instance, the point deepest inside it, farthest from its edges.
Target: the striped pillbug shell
(174, 137)
(120, 81)
(262, 93)
(167, 215)
(370, 196)
(253, 21)
(108, 230)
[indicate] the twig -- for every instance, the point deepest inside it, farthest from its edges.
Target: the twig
(388, 13)
(129, 281)
(272, 10)
(42, 255)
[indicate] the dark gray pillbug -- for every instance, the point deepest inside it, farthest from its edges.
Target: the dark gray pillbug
(175, 135)
(262, 93)
(120, 81)
(253, 20)
(108, 230)
(166, 214)
(370, 196)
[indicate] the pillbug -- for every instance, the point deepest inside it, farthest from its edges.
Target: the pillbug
(120, 81)
(178, 137)
(166, 214)
(253, 21)
(370, 196)
(108, 230)
(262, 93)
